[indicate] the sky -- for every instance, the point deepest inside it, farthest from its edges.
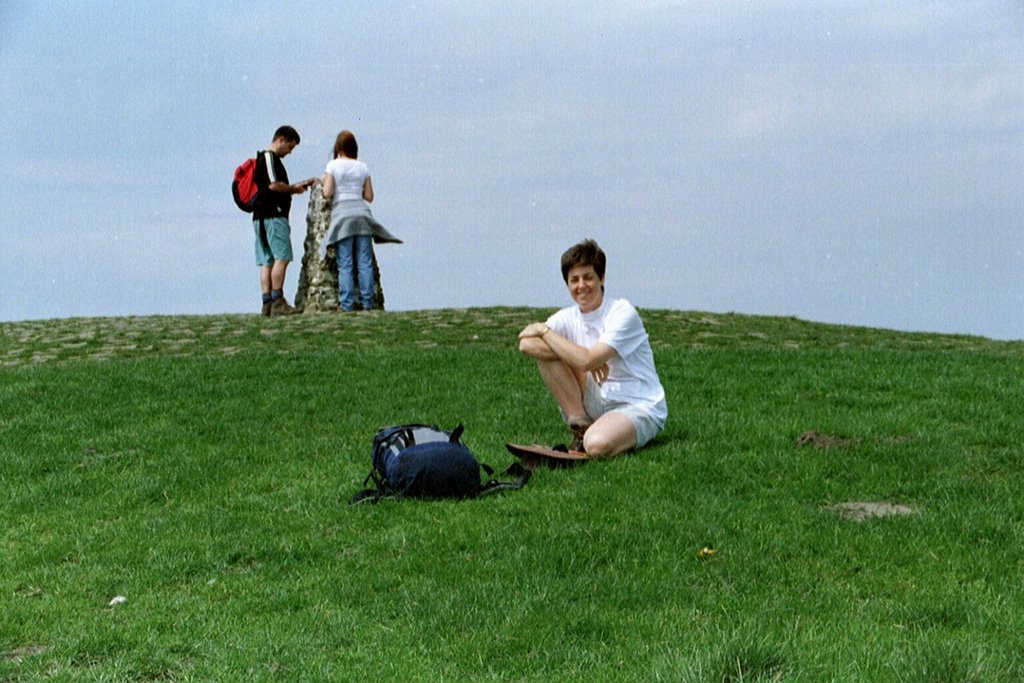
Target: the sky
(858, 163)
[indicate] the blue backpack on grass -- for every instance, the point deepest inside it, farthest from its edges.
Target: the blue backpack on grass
(424, 461)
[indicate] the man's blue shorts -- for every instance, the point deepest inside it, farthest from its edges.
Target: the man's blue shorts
(273, 240)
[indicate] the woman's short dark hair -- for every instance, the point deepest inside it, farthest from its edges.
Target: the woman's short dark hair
(288, 133)
(586, 253)
(346, 144)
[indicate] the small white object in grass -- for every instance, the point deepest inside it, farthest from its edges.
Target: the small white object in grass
(117, 600)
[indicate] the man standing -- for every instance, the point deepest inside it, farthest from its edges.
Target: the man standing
(270, 220)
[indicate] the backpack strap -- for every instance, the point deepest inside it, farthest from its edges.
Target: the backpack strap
(371, 495)
(457, 433)
(521, 474)
(366, 495)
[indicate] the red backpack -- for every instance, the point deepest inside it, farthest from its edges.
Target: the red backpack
(243, 188)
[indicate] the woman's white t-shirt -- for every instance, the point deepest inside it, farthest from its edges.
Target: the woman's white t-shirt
(349, 177)
(632, 377)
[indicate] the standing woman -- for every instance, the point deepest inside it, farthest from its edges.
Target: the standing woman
(353, 230)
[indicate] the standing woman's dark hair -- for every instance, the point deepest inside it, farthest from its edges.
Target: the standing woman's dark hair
(346, 145)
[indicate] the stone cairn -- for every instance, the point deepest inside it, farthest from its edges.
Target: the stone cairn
(318, 280)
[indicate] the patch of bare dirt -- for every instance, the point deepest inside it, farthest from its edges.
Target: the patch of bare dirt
(858, 511)
(825, 441)
(822, 441)
(19, 653)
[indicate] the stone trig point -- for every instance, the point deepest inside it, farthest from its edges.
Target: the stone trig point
(318, 279)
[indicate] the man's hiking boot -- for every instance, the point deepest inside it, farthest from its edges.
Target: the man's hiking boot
(579, 427)
(265, 311)
(281, 307)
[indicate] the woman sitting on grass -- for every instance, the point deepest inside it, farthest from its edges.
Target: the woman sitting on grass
(596, 360)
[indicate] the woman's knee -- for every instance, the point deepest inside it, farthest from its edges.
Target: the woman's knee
(611, 435)
(596, 445)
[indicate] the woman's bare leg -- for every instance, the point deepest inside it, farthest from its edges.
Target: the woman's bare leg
(611, 434)
(566, 386)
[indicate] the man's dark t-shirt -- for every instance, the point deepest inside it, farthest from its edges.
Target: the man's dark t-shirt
(270, 169)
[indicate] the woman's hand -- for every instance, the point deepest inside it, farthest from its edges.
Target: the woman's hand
(600, 374)
(534, 330)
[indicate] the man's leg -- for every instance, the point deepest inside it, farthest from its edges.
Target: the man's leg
(277, 273)
(279, 241)
(265, 289)
(265, 285)
(278, 304)
(264, 260)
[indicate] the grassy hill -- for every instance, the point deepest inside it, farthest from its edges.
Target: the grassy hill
(826, 503)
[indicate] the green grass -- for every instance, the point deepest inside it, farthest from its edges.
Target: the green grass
(200, 467)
